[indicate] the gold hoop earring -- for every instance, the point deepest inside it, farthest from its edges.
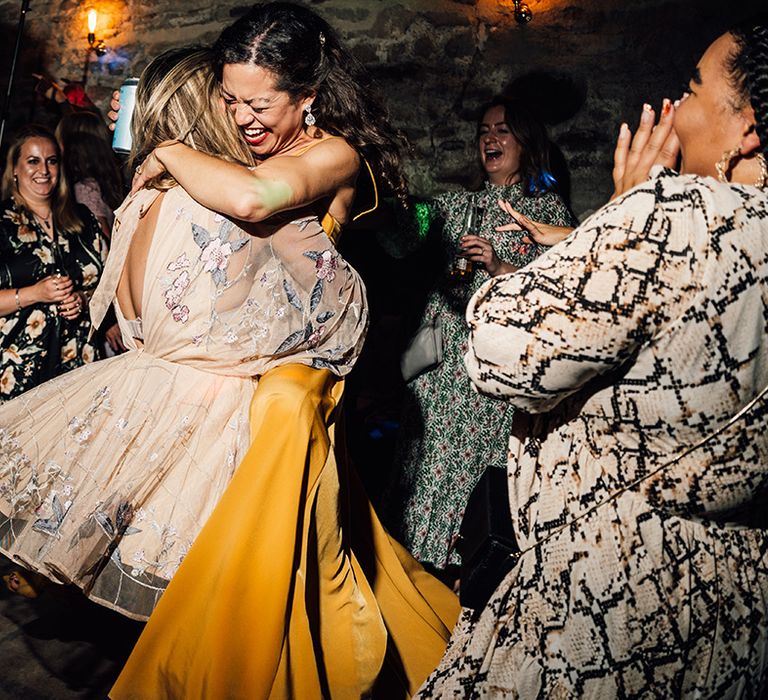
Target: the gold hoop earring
(761, 181)
(723, 166)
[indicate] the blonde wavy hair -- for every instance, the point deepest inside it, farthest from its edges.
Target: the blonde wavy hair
(178, 99)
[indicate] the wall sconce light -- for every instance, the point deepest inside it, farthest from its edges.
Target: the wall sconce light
(99, 46)
(523, 13)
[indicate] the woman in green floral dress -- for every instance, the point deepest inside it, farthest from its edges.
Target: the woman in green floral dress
(51, 252)
(449, 433)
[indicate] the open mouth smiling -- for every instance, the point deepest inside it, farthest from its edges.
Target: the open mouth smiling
(255, 136)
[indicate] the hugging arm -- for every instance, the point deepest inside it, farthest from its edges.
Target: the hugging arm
(278, 184)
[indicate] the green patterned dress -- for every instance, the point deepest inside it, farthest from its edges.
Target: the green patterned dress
(449, 433)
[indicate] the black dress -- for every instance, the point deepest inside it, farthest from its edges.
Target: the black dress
(36, 343)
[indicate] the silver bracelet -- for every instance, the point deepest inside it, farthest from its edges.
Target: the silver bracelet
(18, 301)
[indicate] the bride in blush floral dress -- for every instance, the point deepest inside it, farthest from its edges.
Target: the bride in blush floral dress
(108, 473)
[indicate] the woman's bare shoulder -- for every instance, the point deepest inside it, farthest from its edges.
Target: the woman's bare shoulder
(328, 150)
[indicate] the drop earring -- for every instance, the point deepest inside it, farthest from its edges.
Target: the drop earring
(309, 118)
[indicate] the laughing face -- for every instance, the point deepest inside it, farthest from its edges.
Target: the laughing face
(499, 149)
(270, 121)
(37, 170)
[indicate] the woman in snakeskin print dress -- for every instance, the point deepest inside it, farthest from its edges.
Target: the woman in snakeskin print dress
(449, 432)
(643, 571)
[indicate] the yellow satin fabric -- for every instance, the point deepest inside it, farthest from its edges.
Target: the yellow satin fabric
(293, 589)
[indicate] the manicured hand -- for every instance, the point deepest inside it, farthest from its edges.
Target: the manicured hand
(543, 234)
(71, 307)
(53, 289)
(151, 167)
(651, 145)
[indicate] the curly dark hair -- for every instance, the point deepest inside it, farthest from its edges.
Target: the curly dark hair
(306, 56)
(748, 68)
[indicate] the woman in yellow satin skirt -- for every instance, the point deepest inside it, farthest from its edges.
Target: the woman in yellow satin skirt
(292, 589)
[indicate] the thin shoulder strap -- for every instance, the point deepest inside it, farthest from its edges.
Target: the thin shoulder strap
(692, 448)
(375, 193)
(317, 142)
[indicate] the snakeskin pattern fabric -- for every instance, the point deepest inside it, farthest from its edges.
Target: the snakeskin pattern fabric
(627, 343)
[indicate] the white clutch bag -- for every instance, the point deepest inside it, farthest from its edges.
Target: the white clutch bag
(424, 351)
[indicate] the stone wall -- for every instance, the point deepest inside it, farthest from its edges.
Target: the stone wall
(586, 64)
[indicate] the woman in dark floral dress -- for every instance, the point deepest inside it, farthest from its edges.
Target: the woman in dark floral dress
(449, 433)
(51, 252)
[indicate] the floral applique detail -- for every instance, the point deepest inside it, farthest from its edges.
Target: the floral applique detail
(58, 510)
(292, 296)
(173, 294)
(180, 313)
(178, 287)
(215, 255)
(216, 250)
(80, 427)
(326, 264)
(181, 263)
(316, 335)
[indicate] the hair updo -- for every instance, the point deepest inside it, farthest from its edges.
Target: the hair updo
(748, 68)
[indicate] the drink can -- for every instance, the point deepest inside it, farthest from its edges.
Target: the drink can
(121, 141)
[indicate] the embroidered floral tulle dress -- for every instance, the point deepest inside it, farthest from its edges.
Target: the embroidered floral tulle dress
(449, 432)
(125, 459)
(36, 343)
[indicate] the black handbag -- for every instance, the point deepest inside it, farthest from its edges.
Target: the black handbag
(486, 542)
